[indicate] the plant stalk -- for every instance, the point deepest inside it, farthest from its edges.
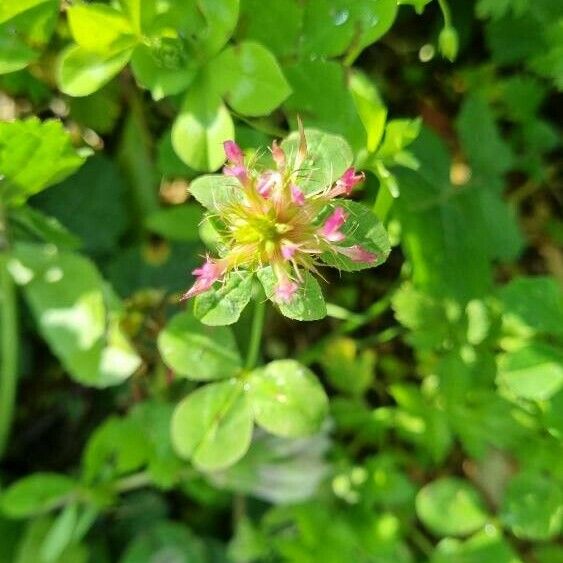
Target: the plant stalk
(8, 342)
(256, 333)
(446, 14)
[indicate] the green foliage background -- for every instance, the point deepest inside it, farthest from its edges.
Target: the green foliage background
(422, 413)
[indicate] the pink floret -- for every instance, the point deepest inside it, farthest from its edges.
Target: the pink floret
(285, 291)
(331, 229)
(358, 254)
(233, 152)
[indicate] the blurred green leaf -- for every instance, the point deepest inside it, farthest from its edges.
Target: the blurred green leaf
(33, 156)
(276, 25)
(166, 541)
(533, 305)
(451, 235)
(98, 111)
(201, 128)
(213, 24)
(180, 222)
(76, 313)
(199, 352)
(116, 447)
(162, 266)
(213, 425)
(164, 69)
(425, 317)
(10, 532)
(348, 369)
(532, 507)
(81, 72)
(399, 134)
(372, 19)
(487, 546)
(533, 372)
(30, 549)
(60, 535)
(450, 506)
(371, 109)
(287, 399)
(80, 204)
(334, 111)
(487, 152)
(31, 224)
(168, 162)
(153, 420)
(36, 493)
(498, 8)
(25, 28)
(513, 39)
(328, 28)
(251, 78)
(98, 28)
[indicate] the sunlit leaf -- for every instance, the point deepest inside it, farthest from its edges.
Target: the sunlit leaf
(213, 425)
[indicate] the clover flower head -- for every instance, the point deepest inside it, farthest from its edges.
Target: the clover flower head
(283, 217)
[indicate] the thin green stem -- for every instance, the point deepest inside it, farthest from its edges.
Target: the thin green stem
(8, 342)
(256, 333)
(383, 203)
(445, 12)
(132, 482)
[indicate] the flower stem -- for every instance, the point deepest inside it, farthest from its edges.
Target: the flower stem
(445, 12)
(256, 333)
(9, 347)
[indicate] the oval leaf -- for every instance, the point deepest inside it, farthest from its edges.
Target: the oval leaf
(252, 79)
(287, 399)
(533, 372)
(450, 507)
(76, 314)
(34, 494)
(99, 28)
(213, 425)
(81, 72)
(532, 507)
(200, 130)
(198, 352)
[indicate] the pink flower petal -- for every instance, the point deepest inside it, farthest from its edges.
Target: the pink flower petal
(278, 155)
(285, 291)
(331, 229)
(233, 152)
(358, 254)
(288, 249)
(267, 182)
(237, 171)
(207, 274)
(297, 196)
(347, 182)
